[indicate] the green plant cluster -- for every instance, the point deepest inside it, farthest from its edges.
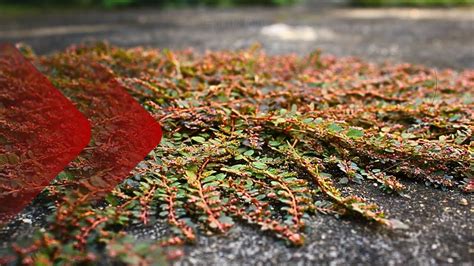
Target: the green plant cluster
(262, 140)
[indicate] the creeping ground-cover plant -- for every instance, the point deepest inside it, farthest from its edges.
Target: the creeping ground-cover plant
(256, 139)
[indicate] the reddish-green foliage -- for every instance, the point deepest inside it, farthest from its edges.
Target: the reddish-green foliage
(263, 140)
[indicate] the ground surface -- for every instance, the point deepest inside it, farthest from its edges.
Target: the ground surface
(440, 228)
(440, 233)
(440, 38)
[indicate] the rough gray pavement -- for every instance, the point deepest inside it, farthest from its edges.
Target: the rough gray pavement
(441, 226)
(440, 233)
(439, 38)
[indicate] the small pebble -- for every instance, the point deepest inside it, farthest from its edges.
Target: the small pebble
(463, 202)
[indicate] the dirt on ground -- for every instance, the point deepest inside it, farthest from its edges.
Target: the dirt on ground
(440, 222)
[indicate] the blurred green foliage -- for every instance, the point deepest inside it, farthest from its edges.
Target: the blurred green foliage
(412, 2)
(122, 3)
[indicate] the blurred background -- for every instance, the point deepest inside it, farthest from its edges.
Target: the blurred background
(437, 33)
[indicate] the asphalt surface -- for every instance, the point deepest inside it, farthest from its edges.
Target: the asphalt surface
(440, 223)
(434, 37)
(440, 232)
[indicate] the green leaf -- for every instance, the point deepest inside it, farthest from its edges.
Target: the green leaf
(333, 127)
(191, 175)
(274, 143)
(211, 184)
(455, 117)
(355, 133)
(259, 165)
(249, 153)
(199, 139)
(112, 200)
(237, 166)
(275, 183)
(209, 179)
(280, 120)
